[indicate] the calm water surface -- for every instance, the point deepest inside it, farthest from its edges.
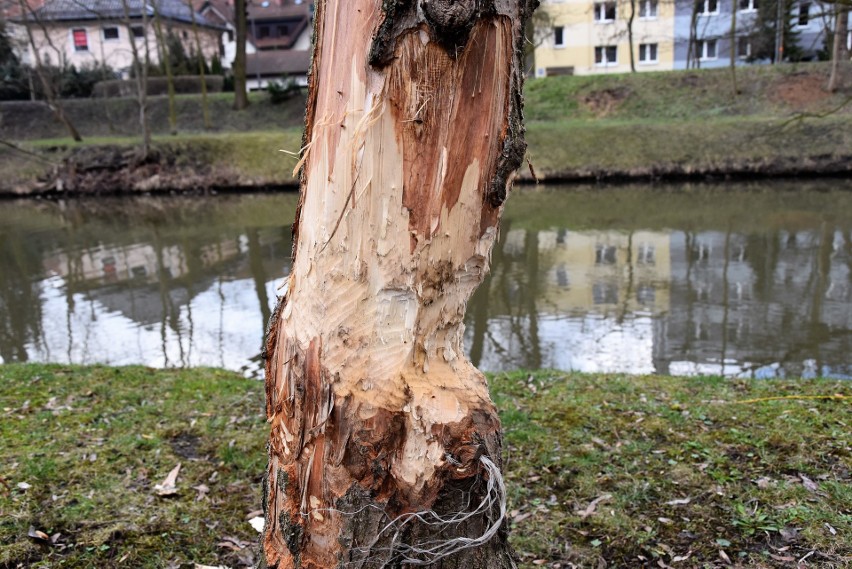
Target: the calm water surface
(736, 279)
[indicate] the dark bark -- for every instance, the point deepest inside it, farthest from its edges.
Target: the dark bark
(239, 68)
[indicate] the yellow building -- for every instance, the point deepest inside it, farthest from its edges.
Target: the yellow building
(583, 37)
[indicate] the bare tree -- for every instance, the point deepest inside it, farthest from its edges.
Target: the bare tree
(839, 51)
(166, 62)
(205, 108)
(239, 68)
(141, 64)
(50, 92)
(384, 448)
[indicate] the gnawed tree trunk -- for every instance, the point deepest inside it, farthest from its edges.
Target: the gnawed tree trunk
(385, 447)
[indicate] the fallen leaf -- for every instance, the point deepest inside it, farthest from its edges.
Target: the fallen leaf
(677, 558)
(539, 561)
(724, 556)
(202, 490)
(789, 534)
(169, 486)
(590, 509)
(520, 517)
(763, 482)
(254, 514)
(809, 484)
(679, 502)
(257, 523)
(781, 557)
(24, 486)
(667, 521)
(37, 535)
(830, 529)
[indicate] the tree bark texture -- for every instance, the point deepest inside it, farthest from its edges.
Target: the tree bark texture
(839, 53)
(383, 439)
(239, 67)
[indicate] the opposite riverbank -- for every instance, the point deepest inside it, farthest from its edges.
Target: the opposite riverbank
(602, 470)
(647, 126)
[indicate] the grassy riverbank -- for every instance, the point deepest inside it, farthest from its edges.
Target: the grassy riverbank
(684, 124)
(631, 471)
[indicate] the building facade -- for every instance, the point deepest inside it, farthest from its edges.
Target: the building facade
(582, 37)
(103, 32)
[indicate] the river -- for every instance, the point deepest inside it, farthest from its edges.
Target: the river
(738, 279)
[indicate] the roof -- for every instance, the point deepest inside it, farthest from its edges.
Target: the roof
(274, 12)
(281, 62)
(76, 10)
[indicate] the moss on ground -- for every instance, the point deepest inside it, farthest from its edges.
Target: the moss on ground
(616, 470)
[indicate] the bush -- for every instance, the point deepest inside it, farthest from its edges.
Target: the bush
(184, 84)
(281, 91)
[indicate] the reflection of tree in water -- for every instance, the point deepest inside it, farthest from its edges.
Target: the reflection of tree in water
(20, 271)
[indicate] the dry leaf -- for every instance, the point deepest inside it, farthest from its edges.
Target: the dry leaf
(254, 514)
(679, 502)
(37, 535)
(677, 558)
(830, 529)
(520, 517)
(590, 509)
(724, 556)
(200, 566)
(809, 484)
(169, 486)
(24, 486)
(781, 558)
(202, 490)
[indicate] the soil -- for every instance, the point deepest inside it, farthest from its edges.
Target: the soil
(602, 103)
(799, 91)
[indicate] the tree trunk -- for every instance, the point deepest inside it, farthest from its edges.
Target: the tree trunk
(630, 20)
(166, 60)
(239, 67)
(385, 447)
(839, 53)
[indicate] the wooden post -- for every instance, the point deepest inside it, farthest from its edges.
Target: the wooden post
(381, 430)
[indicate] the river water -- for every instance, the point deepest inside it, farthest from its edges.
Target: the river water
(737, 279)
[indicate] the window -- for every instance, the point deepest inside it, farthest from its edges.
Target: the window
(708, 49)
(81, 40)
(707, 7)
(648, 9)
(748, 5)
(110, 34)
(804, 14)
(604, 11)
(283, 30)
(263, 32)
(137, 31)
(647, 53)
(558, 36)
(605, 255)
(606, 55)
(743, 48)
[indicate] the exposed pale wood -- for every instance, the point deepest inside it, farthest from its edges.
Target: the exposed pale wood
(413, 129)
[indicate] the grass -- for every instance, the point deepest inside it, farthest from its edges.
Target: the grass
(627, 471)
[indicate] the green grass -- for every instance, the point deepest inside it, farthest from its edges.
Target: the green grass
(93, 441)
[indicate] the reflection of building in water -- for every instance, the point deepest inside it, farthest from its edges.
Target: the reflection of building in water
(609, 272)
(138, 262)
(733, 294)
(573, 300)
(709, 302)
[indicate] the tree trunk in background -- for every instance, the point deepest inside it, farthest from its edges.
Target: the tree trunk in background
(839, 53)
(199, 49)
(166, 61)
(382, 433)
(239, 66)
(50, 94)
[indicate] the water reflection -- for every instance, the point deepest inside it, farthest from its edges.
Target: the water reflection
(641, 280)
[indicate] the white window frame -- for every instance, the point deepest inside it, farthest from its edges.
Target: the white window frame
(800, 5)
(117, 33)
(752, 7)
(648, 46)
(705, 8)
(600, 10)
(705, 49)
(646, 6)
(561, 44)
(605, 62)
